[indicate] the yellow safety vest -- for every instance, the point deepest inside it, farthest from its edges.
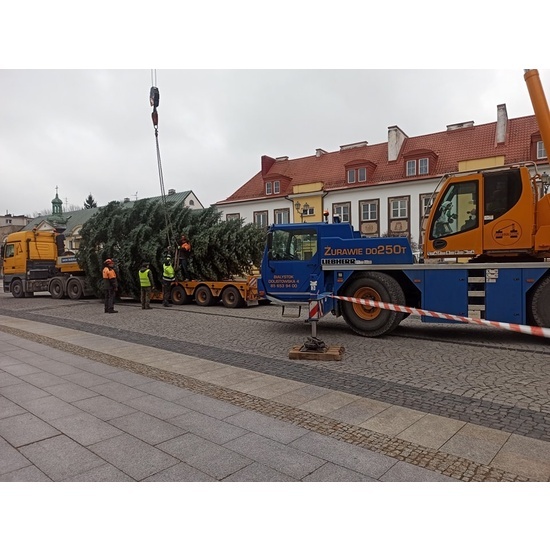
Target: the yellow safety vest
(168, 272)
(144, 278)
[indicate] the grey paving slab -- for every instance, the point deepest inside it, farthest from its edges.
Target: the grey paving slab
(336, 474)
(42, 379)
(85, 428)
(118, 391)
(158, 407)
(23, 392)
(128, 378)
(164, 390)
(344, 454)
(7, 379)
(10, 458)
(258, 473)
(206, 456)
(103, 407)
(208, 427)
(358, 411)
(19, 368)
(93, 367)
(58, 368)
(71, 392)
(60, 457)
(7, 361)
(148, 428)
(132, 456)
(28, 474)
(24, 429)
(302, 395)
(210, 406)
(50, 407)
(405, 472)
(275, 429)
(283, 458)
(86, 379)
(106, 473)
(9, 408)
(180, 472)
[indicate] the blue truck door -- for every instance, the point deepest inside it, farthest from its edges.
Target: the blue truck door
(291, 258)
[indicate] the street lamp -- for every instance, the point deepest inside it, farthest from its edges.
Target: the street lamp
(545, 178)
(302, 210)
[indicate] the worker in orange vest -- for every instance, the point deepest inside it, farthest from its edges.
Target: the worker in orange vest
(184, 255)
(110, 285)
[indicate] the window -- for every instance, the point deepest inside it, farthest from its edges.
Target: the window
(369, 211)
(342, 210)
(398, 216)
(260, 218)
(357, 175)
(424, 207)
(229, 217)
(295, 244)
(423, 166)
(282, 216)
(541, 151)
(398, 208)
(272, 187)
(9, 251)
(457, 211)
(418, 166)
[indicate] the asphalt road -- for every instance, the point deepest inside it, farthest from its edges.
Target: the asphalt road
(488, 376)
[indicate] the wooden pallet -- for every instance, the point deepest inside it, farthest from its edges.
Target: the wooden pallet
(332, 353)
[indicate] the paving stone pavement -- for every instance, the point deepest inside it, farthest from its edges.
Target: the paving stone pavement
(80, 407)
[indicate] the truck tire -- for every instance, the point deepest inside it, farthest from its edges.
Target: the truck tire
(179, 296)
(17, 288)
(539, 308)
(204, 296)
(74, 289)
(56, 288)
(373, 321)
(232, 298)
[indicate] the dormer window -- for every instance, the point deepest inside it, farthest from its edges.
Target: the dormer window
(419, 167)
(272, 187)
(541, 151)
(357, 175)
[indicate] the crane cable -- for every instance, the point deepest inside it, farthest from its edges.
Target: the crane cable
(154, 99)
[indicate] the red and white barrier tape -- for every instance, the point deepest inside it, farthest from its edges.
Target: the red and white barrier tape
(525, 329)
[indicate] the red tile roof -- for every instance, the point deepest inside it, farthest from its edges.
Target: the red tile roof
(451, 147)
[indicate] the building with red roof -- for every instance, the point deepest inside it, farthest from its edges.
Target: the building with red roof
(385, 187)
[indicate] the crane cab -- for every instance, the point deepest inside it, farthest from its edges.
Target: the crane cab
(489, 214)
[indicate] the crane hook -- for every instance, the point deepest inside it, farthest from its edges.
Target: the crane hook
(154, 99)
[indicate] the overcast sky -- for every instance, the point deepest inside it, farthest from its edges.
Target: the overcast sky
(90, 131)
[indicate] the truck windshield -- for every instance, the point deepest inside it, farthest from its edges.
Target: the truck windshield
(293, 244)
(457, 211)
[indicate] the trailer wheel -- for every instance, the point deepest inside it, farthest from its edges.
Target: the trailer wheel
(179, 296)
(373, 321)
(232, 298)
(540, 304)
(204, 296)
(56, 288)
(17, 288)
(74, 289)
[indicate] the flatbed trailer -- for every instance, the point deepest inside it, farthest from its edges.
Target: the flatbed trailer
(232, 293)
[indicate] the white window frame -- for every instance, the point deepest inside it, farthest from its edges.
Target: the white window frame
(423, 166)
(372, 205)
(276, 187)
(399, 208)
(281, 215)
(343, 210)
(361, 174)
(411, 168)
(229, 217)
(351, 176)
(268, 188)
(259, 218)
(541, 151)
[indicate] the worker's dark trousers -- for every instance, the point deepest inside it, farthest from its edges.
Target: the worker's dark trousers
(166, 289)
(109, 300)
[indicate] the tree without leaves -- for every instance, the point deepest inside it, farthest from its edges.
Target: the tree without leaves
(131, 235)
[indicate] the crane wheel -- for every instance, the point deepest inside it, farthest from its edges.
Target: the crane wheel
(372, 321)
(539, 308)
(232, 298)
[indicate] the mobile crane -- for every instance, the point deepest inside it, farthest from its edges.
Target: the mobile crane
(495, 224)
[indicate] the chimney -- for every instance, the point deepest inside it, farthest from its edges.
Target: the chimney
(171, 191)
(502, 124)
(267, 163)
(353, 145)
(320, 152)
(459, 125)
(396, 137)
(126, 199)
(281, 158)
